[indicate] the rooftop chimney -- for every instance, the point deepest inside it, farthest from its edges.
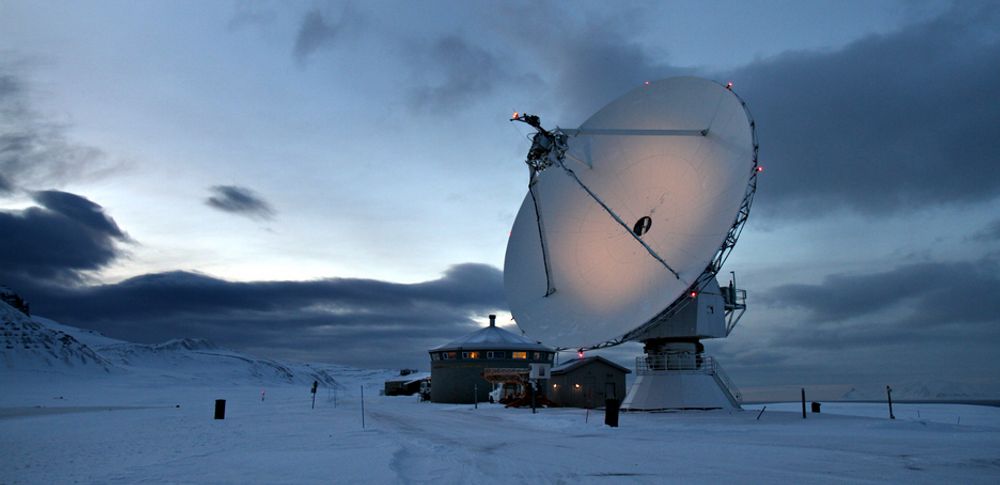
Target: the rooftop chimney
(493, 320)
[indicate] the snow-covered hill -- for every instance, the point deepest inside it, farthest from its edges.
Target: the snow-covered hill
(32, 345)
(28, 344)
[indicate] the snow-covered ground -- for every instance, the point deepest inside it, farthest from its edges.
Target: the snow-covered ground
(116, 432)
(149, 419)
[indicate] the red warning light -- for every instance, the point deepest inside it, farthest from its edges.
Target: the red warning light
(729, 85)
(645, 83)
(579, 354)
(515, 115)
(760, 169)
(693, 294)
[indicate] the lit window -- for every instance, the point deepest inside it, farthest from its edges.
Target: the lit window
(519, 355)
(576, 386)
(470, 355)
(555, 386)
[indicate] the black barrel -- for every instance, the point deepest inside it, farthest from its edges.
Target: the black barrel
(220, 409)
(611, 407)
(815, 407)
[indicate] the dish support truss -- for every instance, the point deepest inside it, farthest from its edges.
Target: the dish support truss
(549, 149)
(720, 257)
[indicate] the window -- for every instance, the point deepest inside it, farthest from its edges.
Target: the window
(495, 354)
(538, 356)
(519, 355)
(470, 355)
(435, 356)
(447, 355)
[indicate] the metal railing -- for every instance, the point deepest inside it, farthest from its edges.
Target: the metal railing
(686, 362)
(681, 361)
(723, 379)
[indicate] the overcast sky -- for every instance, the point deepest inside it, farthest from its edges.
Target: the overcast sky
(336, 181)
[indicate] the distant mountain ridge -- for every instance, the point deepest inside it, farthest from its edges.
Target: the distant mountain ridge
(35, 344)
(916, 391)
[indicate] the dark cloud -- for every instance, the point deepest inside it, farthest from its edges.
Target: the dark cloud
(239, 200)
(597, 63)
(67, 235)
(251, 13)
(933, 320)
(588, 58)
(991, 232)
(886, 124)
(933, 303)
(315, 32)
(79, 209)
(5, 186)
(350, 320)
(929, 293)
(35, 151)
(463, 72)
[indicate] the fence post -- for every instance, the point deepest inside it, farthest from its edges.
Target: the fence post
(888, 393)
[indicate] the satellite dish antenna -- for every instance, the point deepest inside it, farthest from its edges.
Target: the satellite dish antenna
(629, 218)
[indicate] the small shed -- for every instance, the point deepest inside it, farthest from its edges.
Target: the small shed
(406, 385)
(587, 382)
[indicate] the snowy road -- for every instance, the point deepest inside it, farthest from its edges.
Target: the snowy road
(459, 444)
(146, 438)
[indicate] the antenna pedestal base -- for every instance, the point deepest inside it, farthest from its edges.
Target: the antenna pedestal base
(676, 376)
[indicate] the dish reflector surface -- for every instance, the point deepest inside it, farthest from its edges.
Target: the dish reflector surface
(631, 156)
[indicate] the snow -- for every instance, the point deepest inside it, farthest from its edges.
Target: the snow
(151, 421)
(920, 413)
(491, 338)
(410, 378)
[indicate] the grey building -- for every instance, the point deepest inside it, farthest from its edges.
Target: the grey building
(457, 367)
(587, 382)
(405, 385)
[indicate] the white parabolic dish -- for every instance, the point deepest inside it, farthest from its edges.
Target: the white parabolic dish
(690, 186)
